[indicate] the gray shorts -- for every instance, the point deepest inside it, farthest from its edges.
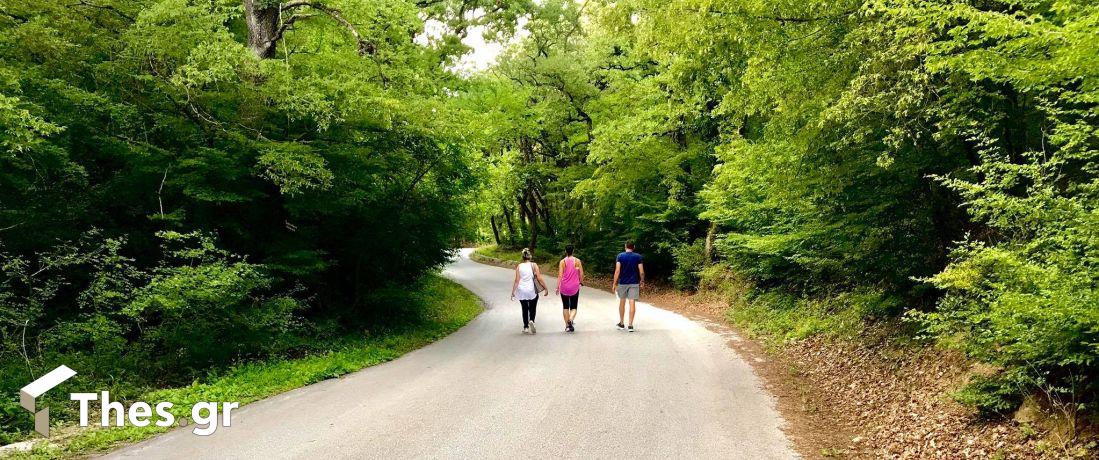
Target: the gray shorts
(629, 291)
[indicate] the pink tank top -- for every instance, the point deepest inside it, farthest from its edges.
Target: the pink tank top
(570, 277)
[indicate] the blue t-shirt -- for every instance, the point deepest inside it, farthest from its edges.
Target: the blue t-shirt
(629, 273)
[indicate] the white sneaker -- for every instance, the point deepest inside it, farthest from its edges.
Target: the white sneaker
(526, 330)
(533, 330)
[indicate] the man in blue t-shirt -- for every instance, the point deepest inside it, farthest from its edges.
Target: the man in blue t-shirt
(629, 276)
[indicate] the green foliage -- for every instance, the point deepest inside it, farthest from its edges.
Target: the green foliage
(149, 117)
(209, 311)
(856, 159)
(849, 160)
(172, 204)
(990, 396)
(690, 260)
(569, 161)
(200, 309)
(442, 307)
(780, 317)
(1025, 300)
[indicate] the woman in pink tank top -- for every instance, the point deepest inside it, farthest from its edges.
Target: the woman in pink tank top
(571, 277)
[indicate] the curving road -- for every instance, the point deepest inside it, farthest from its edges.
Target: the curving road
(671, 390)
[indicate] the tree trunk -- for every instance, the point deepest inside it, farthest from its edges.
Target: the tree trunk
(511, 226)
(529, 216)
(495, 231)
(533, 233)
(544, 211)
(525, 211)
(262, 19)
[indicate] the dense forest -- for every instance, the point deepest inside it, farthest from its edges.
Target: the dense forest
(932, 162)
(186, 185)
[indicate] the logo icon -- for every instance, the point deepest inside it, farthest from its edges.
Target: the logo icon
(30, 393)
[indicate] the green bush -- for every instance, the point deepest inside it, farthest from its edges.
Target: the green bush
(198, 310)
(1025, 315)
(690, 259)
(991, 396)
(314, 200)
(208, 309)
(195, 317)
(781, 316)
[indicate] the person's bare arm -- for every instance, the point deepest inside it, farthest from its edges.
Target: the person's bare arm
(538, 276)
(515, 284)
(617, 270)
(580, 269)
(560, 270)
(641, 271)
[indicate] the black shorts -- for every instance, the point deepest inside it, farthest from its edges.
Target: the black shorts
(568, 302)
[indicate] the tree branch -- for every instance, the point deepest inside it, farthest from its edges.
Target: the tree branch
(365, 47)
(15, 17)
(286, 25)
(12, 226)
(104, 7)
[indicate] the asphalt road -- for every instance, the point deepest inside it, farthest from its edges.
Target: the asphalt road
(673, 389)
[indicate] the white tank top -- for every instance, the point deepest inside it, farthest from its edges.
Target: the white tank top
(526, 290)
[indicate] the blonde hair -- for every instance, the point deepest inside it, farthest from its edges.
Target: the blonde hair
(526, 254)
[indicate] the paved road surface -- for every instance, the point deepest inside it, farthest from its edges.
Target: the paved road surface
(671, 390)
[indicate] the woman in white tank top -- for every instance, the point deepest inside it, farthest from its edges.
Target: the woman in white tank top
(524, 287)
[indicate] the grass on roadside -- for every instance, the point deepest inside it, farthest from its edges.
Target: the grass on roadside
(448, 307)
(777, 317)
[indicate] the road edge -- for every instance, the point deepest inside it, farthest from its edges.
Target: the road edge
(75, 443)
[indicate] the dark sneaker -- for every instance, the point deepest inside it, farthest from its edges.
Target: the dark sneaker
(631, 329)
(621, 327)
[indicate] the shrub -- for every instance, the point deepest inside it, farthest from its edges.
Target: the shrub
(210, 312)
(690, 259)
(198, 310)
(991, 396)
(1023, 315)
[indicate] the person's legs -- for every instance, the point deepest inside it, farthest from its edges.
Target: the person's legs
(621, 309)
(568, 309)
(632, 293)
(526, 312)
